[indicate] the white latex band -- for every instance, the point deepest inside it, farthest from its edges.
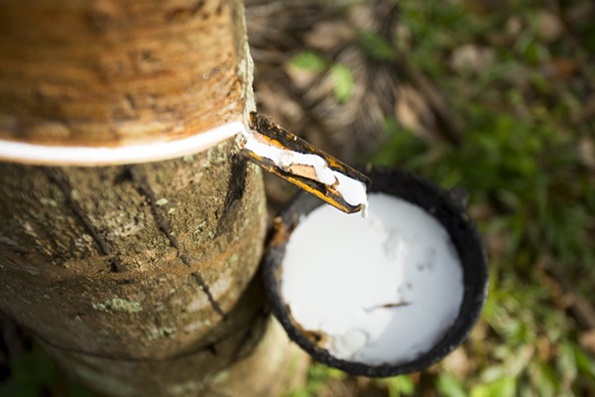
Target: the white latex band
(94, 156)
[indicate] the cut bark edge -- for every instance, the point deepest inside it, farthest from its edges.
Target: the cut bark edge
(27, 153)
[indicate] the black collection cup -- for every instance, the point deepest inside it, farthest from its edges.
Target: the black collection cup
(436, 202)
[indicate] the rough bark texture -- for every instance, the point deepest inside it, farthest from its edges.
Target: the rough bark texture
(116, 243)
(118, 283)
(137, 279)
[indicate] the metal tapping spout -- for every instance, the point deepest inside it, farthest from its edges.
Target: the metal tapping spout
(298, 162)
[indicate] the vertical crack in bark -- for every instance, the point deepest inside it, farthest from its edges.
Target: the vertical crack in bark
(60, 179)
(203, 286)
(235, 191)
(142, 185)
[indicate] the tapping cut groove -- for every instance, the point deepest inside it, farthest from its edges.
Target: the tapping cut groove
(60, 180)
(144, 188)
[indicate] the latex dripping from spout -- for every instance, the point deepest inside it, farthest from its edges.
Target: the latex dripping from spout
(304, 165)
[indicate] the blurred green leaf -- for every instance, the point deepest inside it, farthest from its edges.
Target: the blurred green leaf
(308, 60)
(450, 386)
(544, 379)
(400, 386)
(317, 377)
(504, 387)
(302, 392)
(402, 147)
(343, 82)
(376, 47)
(584, 363)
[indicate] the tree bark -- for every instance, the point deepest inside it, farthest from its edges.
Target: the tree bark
(112, 72)
(137, 279)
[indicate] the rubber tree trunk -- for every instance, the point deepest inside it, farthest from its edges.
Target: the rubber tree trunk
(138, 279)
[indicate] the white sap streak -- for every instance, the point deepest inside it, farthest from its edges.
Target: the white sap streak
(340, 272)
(94, 156)
(352, 190)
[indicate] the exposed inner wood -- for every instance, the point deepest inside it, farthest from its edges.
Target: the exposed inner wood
(112, 73)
